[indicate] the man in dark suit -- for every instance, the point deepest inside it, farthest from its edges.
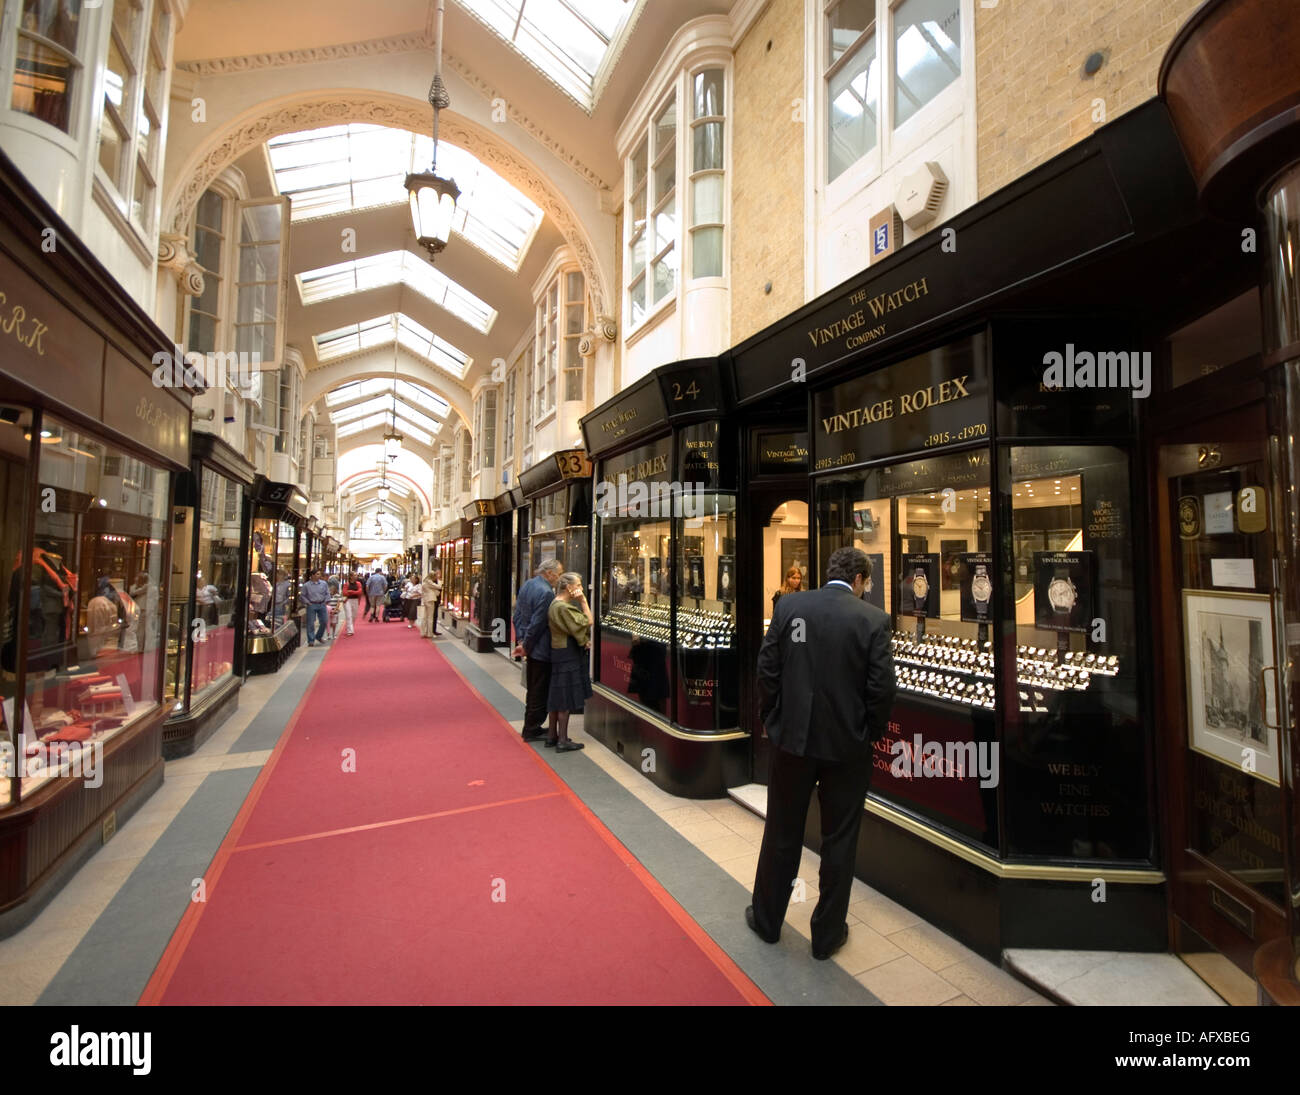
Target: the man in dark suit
(827, 678)
(533, 641)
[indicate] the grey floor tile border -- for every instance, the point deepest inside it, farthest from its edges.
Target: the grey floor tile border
(116, 957)
(786, 972)
(268, 724)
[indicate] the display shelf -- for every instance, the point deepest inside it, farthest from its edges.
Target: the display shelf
(697, 629)
(961, 670)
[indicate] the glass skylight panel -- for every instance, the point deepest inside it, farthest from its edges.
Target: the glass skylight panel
(338, 169)
(370, 406)
(433, 347)
(354, 338)
(565, 39)
(410, 414)
(407, 392)
(422, 397)
(393, 268)
(404, 426)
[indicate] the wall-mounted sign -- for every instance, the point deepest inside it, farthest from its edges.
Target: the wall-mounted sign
(886, 233)
(929, 401)
(154, 417)
(636, 411)
(690, 387)
(480, 507)
(573, 464)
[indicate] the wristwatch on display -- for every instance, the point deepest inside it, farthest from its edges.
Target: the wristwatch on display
(920, 589)
(981, 589)
(1061, 594)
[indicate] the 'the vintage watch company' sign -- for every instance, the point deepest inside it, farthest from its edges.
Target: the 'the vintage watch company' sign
(929, 401)
(779, 453)
(636, 411)
(135, 408)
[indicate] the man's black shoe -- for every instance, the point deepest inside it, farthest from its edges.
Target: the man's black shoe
(843, 939)
(753, 925)
(533, 735)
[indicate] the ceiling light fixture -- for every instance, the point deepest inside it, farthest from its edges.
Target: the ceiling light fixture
(433, 199)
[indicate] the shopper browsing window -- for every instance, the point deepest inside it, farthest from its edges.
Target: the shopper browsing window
(431, 596)
(826, 676)
(570, 620)
(532, 642)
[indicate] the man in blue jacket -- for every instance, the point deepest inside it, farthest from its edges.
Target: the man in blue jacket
(377, 591)
(533, 641)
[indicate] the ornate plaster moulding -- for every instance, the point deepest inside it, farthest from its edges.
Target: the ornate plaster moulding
(340, 107)
(403, 43)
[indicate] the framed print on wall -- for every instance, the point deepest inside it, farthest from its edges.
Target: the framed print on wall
(1230, 662)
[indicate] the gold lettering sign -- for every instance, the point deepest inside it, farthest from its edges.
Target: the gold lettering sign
(612, 424)
(921, 399)
(22, 327)
(855, 328)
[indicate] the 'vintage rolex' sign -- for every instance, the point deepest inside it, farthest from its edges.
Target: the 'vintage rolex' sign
(930, 401)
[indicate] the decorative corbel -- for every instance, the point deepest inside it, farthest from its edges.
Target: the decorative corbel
(174, 254)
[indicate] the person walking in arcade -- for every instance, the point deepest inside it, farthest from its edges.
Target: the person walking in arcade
(570, 621)
(377, 591)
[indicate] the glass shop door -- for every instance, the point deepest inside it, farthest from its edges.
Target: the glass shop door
(1221, 675)
(779, 543)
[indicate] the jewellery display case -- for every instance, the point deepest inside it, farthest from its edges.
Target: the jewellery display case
(275, 556)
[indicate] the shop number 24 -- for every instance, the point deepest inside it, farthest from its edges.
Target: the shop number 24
(679, 393)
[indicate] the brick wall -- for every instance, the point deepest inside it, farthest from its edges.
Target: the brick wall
(767, 164)
(1032, 98)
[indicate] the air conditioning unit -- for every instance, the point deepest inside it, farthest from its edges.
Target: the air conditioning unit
(921, 194)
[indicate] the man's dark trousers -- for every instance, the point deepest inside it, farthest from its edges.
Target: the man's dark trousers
(841, 792)
(538, 677)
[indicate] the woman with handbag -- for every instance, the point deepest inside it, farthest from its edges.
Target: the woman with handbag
(411, 596)
(570, 622)
(431, 597)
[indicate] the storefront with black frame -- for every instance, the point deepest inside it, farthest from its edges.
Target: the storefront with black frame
(666, 669)
(205, 619)
(90, 442)
(276, 554)
(453, 560)
(977, 405)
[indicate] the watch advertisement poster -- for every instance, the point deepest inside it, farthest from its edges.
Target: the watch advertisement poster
(695, 576)
(918, 586)
(726, 578)
(976, 584)
(875, 595)
(1063, 590)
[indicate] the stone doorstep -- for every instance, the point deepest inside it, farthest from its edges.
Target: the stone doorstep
(1078, 978)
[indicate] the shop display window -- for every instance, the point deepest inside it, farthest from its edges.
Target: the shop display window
(707, 681)
(926, 527)
(475, 569)
(95, 614)
(1073, 745)
(666, 571)
(216, 579)
(15, 459)
(264, 579)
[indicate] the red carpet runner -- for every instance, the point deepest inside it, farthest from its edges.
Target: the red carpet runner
(404, 846)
